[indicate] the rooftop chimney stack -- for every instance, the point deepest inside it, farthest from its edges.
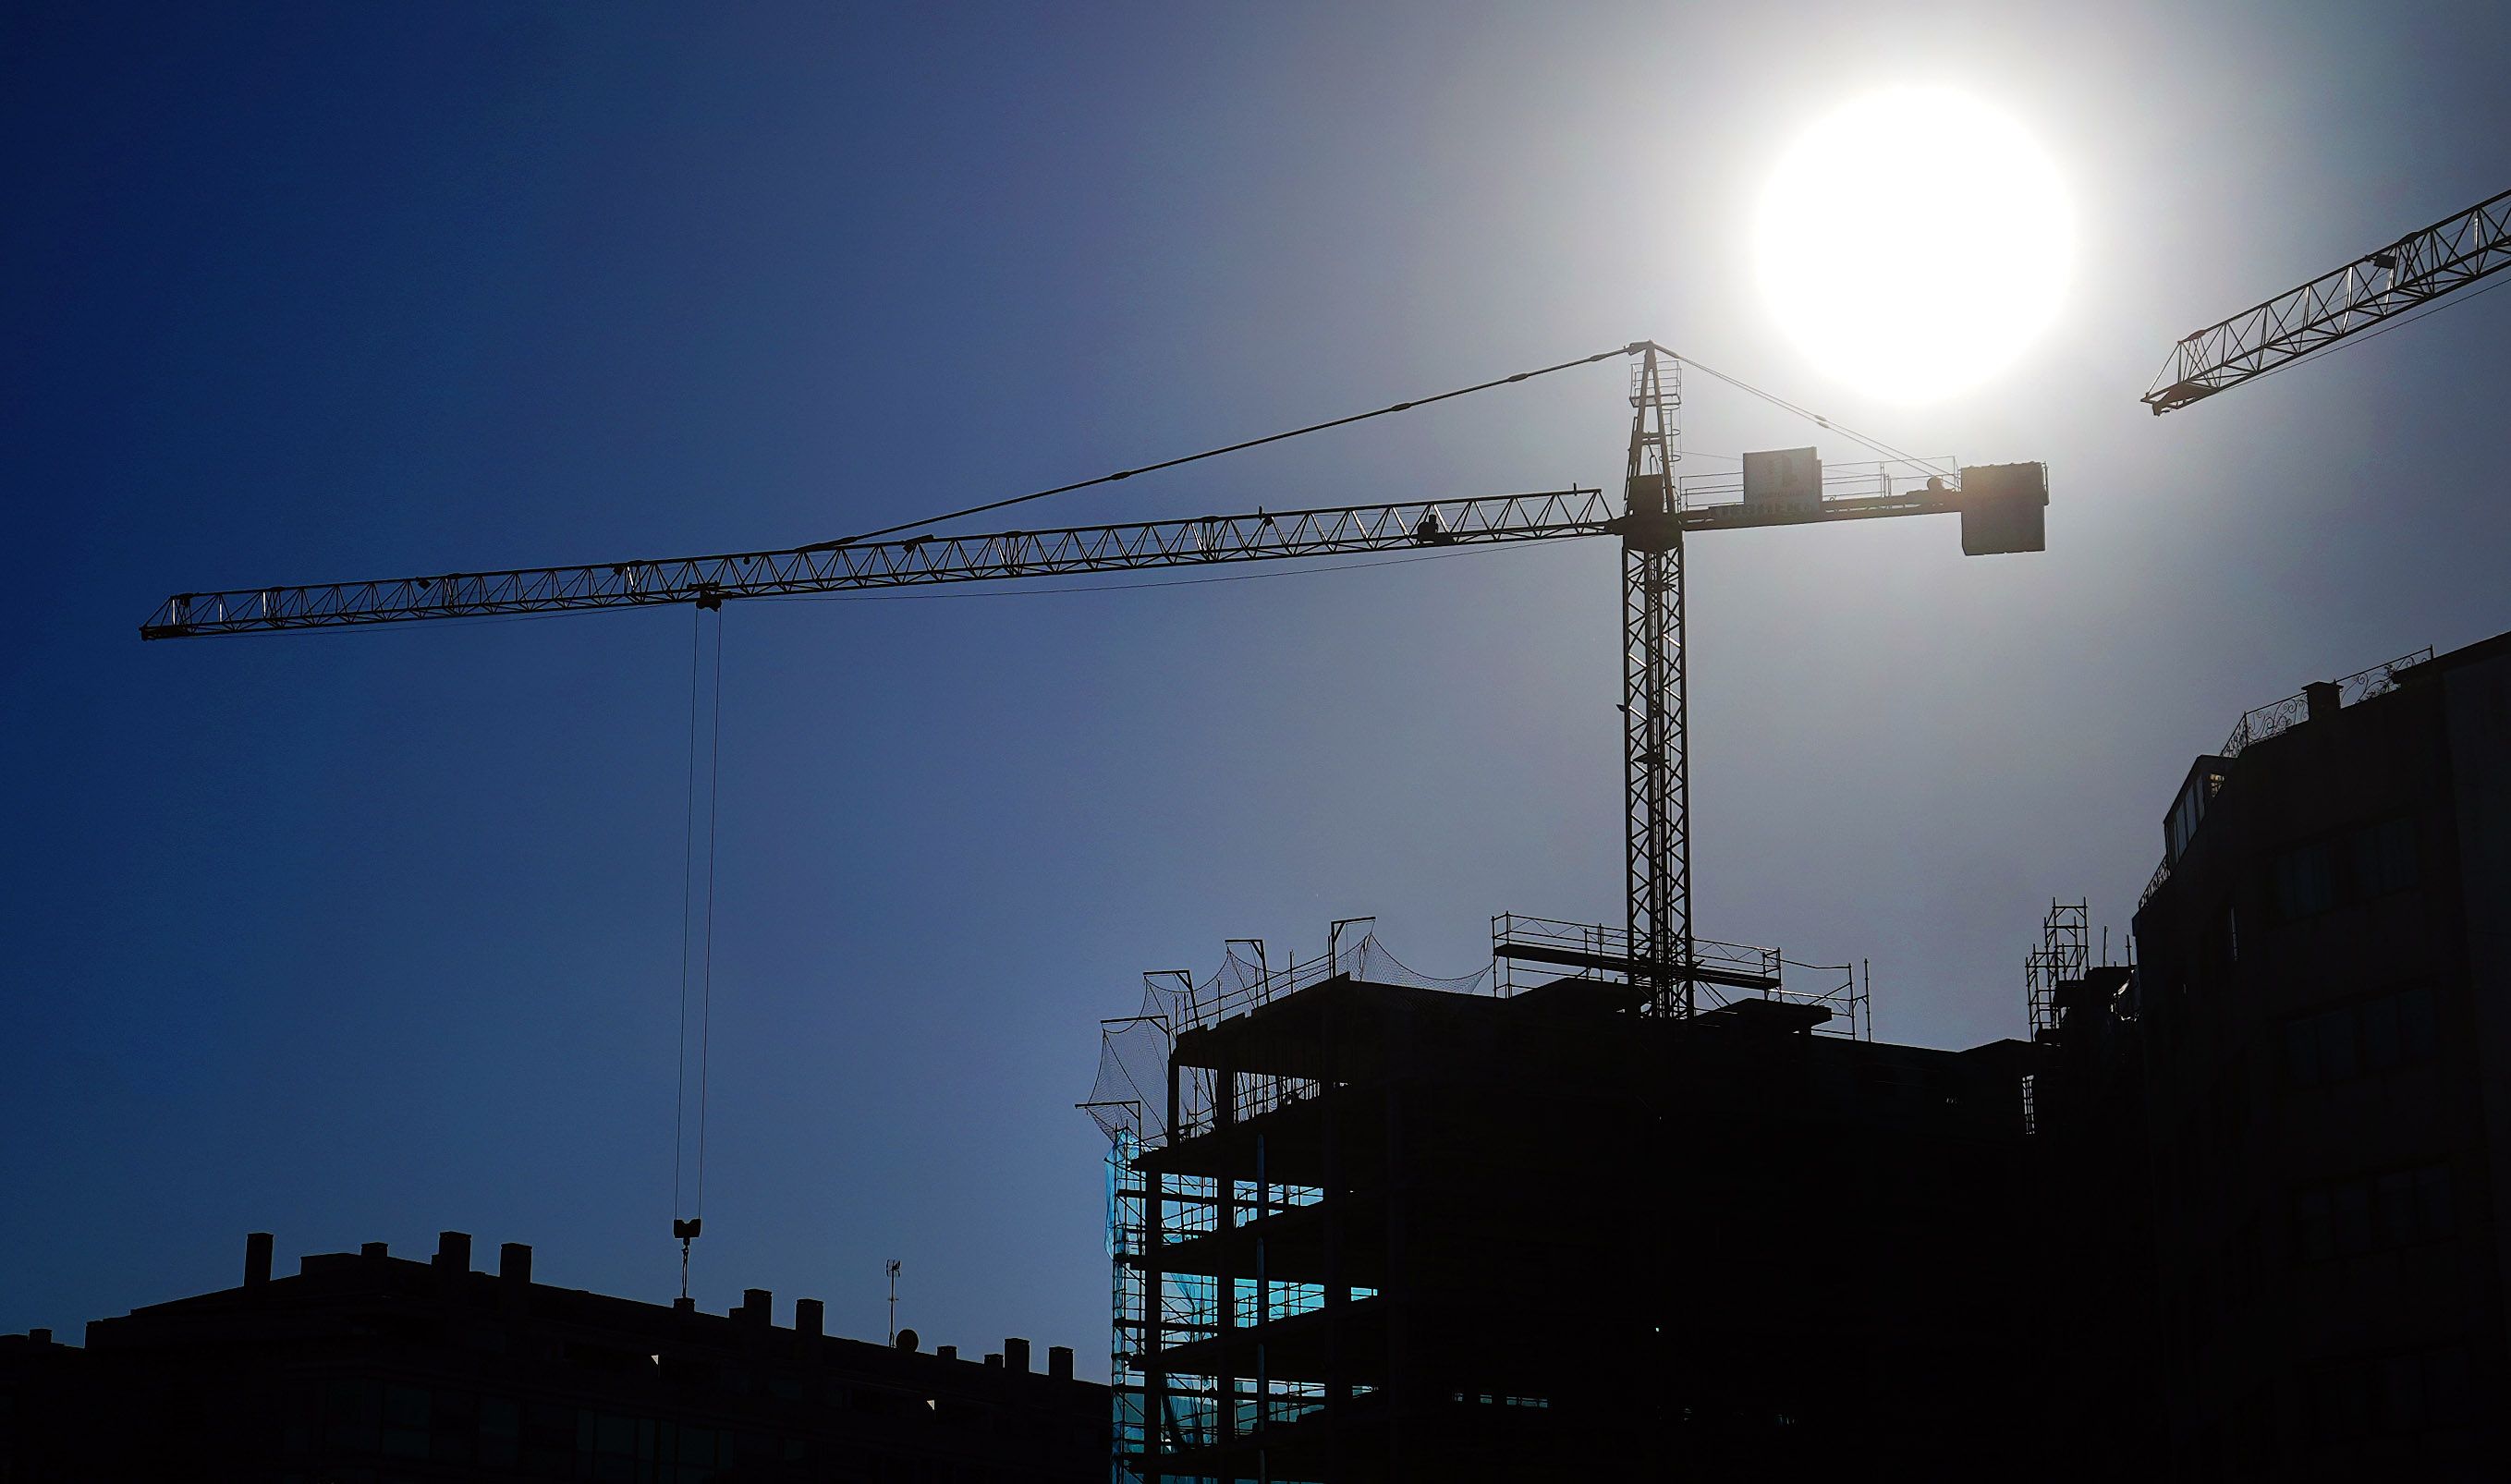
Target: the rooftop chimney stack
(2322, 698)
(757, 1306)
(256, 1259)
(808, 1316)
(1058, 1361)
(515, 1262)
(374, 1249)
(1016, 1355)
(453, 1251)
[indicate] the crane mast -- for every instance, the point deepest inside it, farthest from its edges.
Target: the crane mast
(2418, 267)
(2000, 507)
(1656, 755)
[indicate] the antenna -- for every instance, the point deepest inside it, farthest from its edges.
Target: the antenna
(893, 1301)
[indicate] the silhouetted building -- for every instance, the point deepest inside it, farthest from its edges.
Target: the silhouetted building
(366, 1367)
(2088, 1300)
(1382, 1231)
(2314, 1066)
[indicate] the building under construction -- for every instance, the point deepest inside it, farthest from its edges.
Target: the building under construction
(1368, 1226)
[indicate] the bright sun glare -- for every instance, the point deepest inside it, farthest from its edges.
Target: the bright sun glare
(1914, 242)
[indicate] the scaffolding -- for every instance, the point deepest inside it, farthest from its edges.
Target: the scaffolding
(1216, 1254)
(2064, 955)
(1180, 1281)
(1531, 952)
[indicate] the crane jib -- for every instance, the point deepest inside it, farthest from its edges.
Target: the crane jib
(919, 561)
(1004, 556)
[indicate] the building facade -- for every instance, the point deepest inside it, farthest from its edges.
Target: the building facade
(2323, 1014)
(365, 1368)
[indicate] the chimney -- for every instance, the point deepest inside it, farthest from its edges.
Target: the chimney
(1016, 1355)
(374, 1249)
(40, 1336)
(256, 1259)
(808, 1316)
(1058, 1361)
(453, 1251)
(996, 1361)
(757, 1306)
(515, 1262)
(2322, 698)
(946, 1352)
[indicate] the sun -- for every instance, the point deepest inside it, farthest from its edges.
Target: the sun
(1914, 242)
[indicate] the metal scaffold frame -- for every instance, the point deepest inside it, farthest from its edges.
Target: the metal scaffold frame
(1157, 1308)
(1149, 1100)
(2064, 953)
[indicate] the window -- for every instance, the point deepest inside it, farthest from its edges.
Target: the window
(2364, 1037)
(2314, 1235)
(2224, 939)
(2371, 860)
(2384, 858)
(2305, 880)
(2352, 1201)
(2373, 1213)
(500, 1425)
(2336, 1061)
(406, 1421)
(2415, 1039)
(2302, 1052)
(2407, 1392)
(2432, 1200)
(351, 1413)
(2379, 1021)
(2393, 1199)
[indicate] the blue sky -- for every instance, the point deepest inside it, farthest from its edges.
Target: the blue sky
(359, 935)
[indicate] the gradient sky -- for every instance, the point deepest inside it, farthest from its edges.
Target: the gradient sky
(358, 935)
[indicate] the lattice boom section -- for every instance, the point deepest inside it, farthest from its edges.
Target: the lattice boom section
(915, 562)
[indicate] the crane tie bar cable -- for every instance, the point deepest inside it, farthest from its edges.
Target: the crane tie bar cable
(1872, 444)
(1632, 348)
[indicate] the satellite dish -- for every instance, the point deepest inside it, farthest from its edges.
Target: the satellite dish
(909, 1339)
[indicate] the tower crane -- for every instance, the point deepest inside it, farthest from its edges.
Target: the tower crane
(2000, 506)
(2418, 267)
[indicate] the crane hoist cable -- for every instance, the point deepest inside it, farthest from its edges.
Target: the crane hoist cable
(687, 1229)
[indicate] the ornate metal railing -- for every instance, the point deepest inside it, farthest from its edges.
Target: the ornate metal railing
(2276, 716)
